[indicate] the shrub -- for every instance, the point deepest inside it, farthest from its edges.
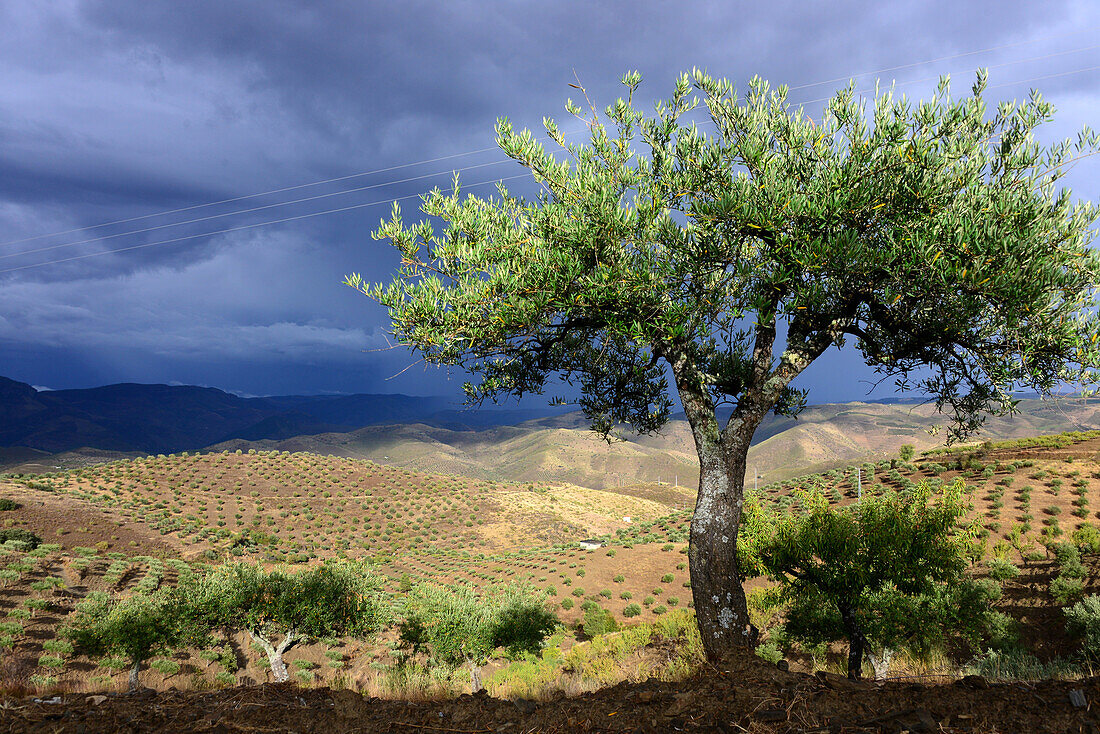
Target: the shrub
(20, 535)
(769, 651)
(1002, 569)
(6, 503)
(598, 621)
(1065, 589)
(1087, 539)
(1083, 623)
(618, 578)
(1065, 553)
(667, 578)
(165, 667)
(632, 610)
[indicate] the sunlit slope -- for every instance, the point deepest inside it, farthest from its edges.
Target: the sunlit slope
(299, 506)
(562, 449)
(528, 452)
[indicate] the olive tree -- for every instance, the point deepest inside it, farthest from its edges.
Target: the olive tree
(880, 574)
(280, 609)
(454, 625)
(137, 626)
(934, 236)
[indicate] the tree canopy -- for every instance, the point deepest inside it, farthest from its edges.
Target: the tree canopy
(333, 598)
(882, 573)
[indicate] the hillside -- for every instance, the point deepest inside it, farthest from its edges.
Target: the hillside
(134, 525)
(562, 449)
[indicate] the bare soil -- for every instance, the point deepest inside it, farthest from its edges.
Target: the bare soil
(744, 694)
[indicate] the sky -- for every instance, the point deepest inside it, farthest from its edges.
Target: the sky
(121, 122)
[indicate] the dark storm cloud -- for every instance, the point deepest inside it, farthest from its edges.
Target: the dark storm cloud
(111, 110)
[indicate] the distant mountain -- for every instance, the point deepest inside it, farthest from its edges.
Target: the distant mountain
(165, 419)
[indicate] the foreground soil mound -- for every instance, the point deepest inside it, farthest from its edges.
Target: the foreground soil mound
(743, 695)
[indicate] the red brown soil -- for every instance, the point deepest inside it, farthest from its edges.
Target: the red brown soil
(82, 524)
(743, 695)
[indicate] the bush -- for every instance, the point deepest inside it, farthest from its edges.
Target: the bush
(1065, 553)
(632, 610)
(1087, 539)
(1083, 623)
(6, 503)
(21, 536)
(1065, 589)
(769, 651)
(598, 621)
(1002, 569)
(567, 604)
(667, 578)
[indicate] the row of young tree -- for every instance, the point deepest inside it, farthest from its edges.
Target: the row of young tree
(279, 609)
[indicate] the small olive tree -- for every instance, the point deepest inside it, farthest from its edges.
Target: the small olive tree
(881, 573)
(279, 609)
(455, 626)
(933, 235)
(137, 626)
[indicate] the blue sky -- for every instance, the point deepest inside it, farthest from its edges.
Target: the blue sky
(119, 110)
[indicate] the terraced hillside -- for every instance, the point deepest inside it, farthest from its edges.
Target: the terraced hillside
(132, 525)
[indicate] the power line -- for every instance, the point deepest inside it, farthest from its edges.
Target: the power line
(246, 226)
(995, 66)
(252, 196)
(944, 58)
(402, 198)
(429, 175)
(247, 211)
(492, 148)
(375, 203)
(409, 196)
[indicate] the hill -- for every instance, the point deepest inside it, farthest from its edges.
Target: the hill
(136, 524)
(562, 449)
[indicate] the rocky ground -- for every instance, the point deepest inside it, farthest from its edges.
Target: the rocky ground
(741, 695)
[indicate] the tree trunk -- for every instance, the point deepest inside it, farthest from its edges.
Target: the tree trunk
(134, 670)
(275, 654)
(857, 642)
(719, 598)
(475, 676)
(880, 661)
